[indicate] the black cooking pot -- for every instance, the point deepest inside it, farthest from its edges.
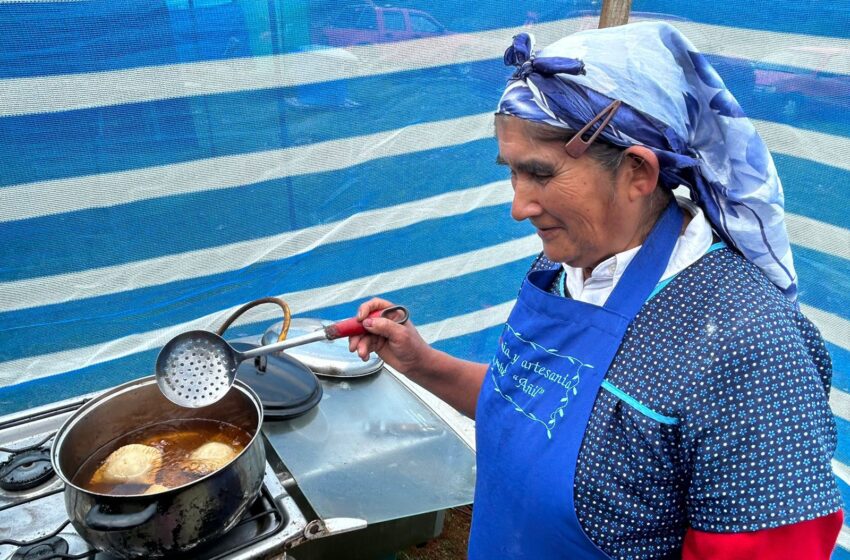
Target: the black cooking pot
(170, 522)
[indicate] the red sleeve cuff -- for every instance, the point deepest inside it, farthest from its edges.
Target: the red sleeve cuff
(809, 540)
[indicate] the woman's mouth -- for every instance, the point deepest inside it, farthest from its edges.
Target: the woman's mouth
(547, 233)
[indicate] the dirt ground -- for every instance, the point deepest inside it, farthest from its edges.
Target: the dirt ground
(450, 545)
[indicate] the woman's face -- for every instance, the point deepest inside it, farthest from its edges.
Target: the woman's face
(574, 204)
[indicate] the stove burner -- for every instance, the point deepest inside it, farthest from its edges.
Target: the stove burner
(26, 469)
(50, 548)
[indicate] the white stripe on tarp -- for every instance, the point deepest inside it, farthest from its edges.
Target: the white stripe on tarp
(812, 234)
(755, 45)
(44, 365)
(45, 94)
(827, 149)
(42, 198)
(54, 196)
(839, 402)
(463, 325)
(844, 537)
(59, 288)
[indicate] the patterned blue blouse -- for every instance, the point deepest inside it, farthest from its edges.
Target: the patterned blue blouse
(714, 415)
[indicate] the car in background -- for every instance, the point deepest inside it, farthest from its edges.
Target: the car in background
(805, 79)
(368, 24)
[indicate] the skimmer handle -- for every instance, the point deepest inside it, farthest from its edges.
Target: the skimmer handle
(352, 327)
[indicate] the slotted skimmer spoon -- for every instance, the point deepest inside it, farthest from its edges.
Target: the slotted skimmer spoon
(197, 368)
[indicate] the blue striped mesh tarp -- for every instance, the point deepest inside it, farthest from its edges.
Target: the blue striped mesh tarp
(164, 161)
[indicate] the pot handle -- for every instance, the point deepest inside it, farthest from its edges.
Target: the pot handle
(100, 520)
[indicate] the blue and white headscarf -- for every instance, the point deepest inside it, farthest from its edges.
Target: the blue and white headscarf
(674, 103)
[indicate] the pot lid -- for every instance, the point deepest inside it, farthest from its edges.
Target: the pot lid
(286, 387)
(329, 358)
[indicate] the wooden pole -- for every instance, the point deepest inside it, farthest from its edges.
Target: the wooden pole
(614, 12)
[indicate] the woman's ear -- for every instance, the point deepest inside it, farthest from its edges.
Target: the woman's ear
(642, 171)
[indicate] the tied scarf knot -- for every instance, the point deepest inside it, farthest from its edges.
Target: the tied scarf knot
(521, 55)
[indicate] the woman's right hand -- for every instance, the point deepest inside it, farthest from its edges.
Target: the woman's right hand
(400, 346)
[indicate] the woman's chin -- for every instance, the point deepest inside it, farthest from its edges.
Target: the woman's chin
(556, 254)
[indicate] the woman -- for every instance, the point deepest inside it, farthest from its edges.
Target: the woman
(656, 392)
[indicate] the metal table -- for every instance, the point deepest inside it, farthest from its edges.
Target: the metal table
(373, 450)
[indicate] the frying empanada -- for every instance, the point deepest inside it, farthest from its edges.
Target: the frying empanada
(132, 463)
(209, 457)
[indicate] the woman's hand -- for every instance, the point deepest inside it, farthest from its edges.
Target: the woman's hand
(400, 346)
(456, 381)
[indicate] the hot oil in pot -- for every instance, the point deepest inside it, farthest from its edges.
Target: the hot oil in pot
(160, 457)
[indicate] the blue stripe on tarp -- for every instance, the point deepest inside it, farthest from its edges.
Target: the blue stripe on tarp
(822, 280)
(813, 189)
(78, 323)
(176, 224)
(427, 303)
(840, 553)
(136, 135)
(48, 38)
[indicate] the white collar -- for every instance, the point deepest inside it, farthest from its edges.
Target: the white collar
(691, 245)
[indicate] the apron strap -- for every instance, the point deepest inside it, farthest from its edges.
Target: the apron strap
(647, 267)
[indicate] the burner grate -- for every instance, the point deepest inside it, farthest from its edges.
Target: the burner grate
(26, 469)
(50, 548)
(264, 518)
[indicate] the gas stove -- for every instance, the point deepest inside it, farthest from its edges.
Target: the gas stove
(368, 471)
(34, 524)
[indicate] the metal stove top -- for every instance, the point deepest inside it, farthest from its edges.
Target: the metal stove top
(372, 467)
(34, 524)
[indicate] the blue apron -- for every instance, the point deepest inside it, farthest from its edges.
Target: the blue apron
(535, 402)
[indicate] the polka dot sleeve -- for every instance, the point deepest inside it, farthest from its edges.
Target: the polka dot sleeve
(759, 434)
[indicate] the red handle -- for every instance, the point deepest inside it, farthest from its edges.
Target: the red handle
(351, 327)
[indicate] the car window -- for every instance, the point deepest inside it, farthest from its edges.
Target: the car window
(423, 24)
(393, 21)
(367, 19)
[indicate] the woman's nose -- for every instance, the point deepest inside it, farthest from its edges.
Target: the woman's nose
(524, 205)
